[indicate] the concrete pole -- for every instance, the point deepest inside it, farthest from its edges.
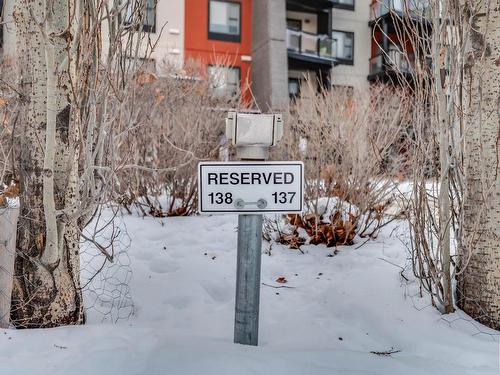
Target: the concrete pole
(8, 228)
(246, 320)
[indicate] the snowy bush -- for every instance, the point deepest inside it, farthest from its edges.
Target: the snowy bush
(353, 148)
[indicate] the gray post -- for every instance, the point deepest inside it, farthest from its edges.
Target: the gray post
(8, 228)
(246, 320)
(252, 134)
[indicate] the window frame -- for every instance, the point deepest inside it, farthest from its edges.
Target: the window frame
(345, 6)
(341, 60)
(226, 67)
(150, 28)
(296, 20)
(144, 28)
(223, 36)
(296, 80)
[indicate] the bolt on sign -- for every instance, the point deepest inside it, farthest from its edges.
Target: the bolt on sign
(250, 187)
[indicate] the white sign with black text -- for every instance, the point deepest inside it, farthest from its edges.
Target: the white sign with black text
(250, 187)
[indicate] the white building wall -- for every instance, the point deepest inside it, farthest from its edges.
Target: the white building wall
(357, 22)
(9, 30)
(170, 47)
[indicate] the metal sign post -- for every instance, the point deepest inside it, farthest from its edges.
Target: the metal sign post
(246, 314)
(252, 140)
(250, 187)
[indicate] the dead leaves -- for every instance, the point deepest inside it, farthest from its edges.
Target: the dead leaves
(11, 192)
(180, 211)
(143, 78)
(294, 241)
(333, 233)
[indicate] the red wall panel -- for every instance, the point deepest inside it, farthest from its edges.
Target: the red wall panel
(200, 48)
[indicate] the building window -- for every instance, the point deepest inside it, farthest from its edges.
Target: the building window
(293, 87)
(224, 20)
(141, 12)
(149, 21)
(343, 47)
(224, 80)
(344, 4)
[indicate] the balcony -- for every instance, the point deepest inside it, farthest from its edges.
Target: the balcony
(391, 63)
(414, 8)
(315, 48)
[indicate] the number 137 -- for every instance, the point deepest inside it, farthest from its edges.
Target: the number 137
(283, 197)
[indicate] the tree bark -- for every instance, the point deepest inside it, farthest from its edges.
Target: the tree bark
(478, 291)
(47, 279)
(444, 200)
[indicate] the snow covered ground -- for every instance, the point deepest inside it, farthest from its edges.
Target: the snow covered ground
(336, 312)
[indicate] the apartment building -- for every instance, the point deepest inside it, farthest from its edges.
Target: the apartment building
(392, 53)
(344, 43)
(325, 40)
(271, 46)
(163, 21)
(214, 35)
(292, 40)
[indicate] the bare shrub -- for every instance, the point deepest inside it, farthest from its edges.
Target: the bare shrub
(178, 120)
(435, 53)
(353, 148)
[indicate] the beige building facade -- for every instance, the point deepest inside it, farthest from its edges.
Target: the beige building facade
(355, 22)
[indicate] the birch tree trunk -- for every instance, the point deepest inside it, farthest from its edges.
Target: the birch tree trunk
(478, 291)
(444, 181)
(47, 281)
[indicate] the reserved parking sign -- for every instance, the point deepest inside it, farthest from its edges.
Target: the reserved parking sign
(250, 187)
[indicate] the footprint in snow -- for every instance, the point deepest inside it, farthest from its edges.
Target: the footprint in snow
(219, 292)
(162, 266)
(179, 302)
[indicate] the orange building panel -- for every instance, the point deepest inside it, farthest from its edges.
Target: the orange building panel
(225, 42)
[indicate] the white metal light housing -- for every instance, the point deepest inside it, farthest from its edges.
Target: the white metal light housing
(253, 134)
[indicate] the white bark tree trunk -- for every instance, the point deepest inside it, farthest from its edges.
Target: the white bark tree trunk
(444, 161)
(47, 284)
(478, 290)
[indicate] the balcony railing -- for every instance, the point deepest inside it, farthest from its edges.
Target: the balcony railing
(393, 61)
(316, 45)
(416, 8)
(344, 4)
